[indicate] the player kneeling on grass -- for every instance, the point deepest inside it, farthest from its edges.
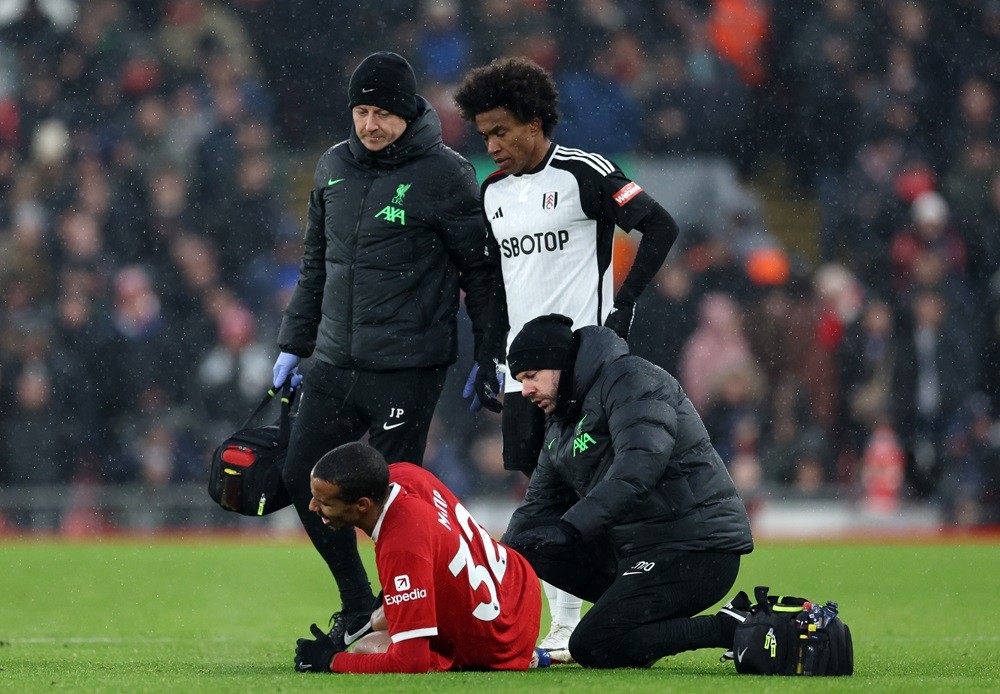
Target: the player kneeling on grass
(454, 599)
(630, 506)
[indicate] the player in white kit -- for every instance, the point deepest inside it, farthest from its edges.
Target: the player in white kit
(553, 211)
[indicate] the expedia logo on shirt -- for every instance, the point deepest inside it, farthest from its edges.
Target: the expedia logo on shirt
(400, 598)
(547, 241)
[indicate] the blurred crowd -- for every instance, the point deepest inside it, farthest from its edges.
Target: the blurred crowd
(152, 163)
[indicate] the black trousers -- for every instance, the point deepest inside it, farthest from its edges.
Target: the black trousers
(644, 604)
(338, 406)
(523, 428)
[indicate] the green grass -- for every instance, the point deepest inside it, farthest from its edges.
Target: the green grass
(222, 616)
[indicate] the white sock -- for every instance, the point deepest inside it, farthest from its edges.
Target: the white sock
(564, 607)
(550, 594)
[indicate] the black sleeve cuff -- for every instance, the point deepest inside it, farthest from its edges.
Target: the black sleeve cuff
(570, 530)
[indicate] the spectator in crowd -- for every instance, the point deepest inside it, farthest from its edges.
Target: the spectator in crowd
(794, 450)
(81, 339)
(918, 27)
(870, 208)
(740, 32)
(716, 267)
(665, 317)
(935, 372)
(252, 221)
(866, 360)
(25, 255)
(144, 341)
(883, 470)
(976, 111)
(788, 337)
(500, 24)
(931, 230)
(972, 454)
(81, 243)
(596, 105)
(171, 213)
(232, 377)
(31, 445)
(991, 350)
(824, 56)
(734, 416)
(43, 378)
(27, 21)
(442, 42)
(188, 25)
(675, 126)
(718, 343)
(966, 187)
(982, 235)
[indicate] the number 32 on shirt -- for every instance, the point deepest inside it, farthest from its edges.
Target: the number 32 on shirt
(491, 575)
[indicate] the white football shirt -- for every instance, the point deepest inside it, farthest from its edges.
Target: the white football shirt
(555, 227)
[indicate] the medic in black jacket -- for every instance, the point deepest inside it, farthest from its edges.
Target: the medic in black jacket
(391, 235)
(630, 506)
(395, 230)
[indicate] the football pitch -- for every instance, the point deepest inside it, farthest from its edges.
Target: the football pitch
(222, 615)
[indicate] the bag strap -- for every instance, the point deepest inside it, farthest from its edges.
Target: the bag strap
(287, 397)
(284, 417)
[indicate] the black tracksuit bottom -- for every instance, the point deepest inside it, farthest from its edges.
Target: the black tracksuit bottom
(338, 406)
(644, 604)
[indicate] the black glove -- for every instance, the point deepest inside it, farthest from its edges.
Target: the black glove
(620, 320)
(314, 655)
(486, 385)
(560, 534)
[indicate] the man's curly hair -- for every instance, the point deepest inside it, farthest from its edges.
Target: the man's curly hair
(517, 84)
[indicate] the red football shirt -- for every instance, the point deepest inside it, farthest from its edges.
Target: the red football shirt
(453, 597)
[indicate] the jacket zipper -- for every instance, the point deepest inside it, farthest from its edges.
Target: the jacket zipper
(354, 261)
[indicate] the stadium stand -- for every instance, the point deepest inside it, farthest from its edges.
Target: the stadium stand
(835, 172)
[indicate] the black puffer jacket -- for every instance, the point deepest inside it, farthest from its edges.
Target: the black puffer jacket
(391, 237)
(628, 456)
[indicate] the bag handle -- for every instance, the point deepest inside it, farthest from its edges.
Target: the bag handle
(287, 398)
(760, 594)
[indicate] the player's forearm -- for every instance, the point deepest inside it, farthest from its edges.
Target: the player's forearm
(659, 231)
(411, 656)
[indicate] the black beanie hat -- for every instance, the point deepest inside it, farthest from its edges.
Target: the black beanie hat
(385, 80)
(545, 342)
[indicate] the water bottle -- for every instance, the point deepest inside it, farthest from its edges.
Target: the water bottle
(828, 612)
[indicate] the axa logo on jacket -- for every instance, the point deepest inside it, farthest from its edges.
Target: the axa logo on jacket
(582, 442)
(393, 214)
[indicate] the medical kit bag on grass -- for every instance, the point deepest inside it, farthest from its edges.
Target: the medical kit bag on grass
(792, 636)
(246, 469)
